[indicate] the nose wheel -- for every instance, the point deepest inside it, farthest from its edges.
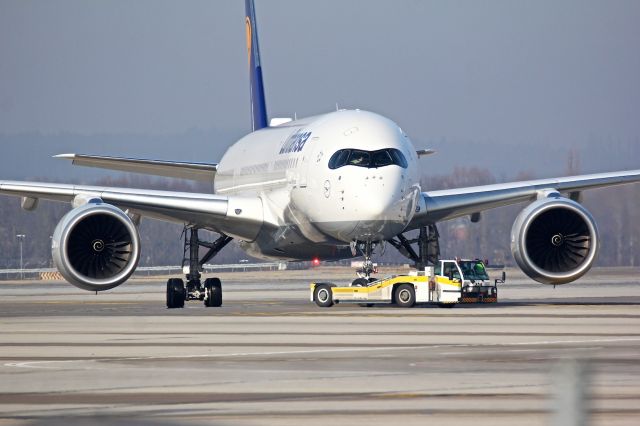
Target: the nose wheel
(368, 268)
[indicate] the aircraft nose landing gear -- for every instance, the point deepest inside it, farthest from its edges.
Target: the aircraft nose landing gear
(364, 273)
(211, 291)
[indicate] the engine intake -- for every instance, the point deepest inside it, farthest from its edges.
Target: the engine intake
(96, 247)
(554, 240)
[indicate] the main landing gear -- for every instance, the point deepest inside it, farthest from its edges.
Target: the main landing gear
(211, 291)
(428, 246)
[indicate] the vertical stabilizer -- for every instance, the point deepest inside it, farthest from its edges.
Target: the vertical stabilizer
(258, 107)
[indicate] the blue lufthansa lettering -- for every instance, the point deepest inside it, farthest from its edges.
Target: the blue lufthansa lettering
(295, 142)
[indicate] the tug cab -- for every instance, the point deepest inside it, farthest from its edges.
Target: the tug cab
(471, 277)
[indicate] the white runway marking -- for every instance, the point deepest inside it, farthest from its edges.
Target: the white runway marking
(61, 363)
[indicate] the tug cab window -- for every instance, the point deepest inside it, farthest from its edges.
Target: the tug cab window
(368, 159)
(450, 269)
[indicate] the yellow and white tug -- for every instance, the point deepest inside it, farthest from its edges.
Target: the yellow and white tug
(447, 283)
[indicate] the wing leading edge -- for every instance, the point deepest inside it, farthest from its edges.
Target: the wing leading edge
(240, 217)
(174, 169)
(448, 204)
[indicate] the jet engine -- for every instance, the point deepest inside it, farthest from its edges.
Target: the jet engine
(554, 240)
(96, 247)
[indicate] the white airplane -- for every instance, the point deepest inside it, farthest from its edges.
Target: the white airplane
(324, 187)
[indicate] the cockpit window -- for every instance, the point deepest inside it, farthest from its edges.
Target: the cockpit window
(398, 158)
(369, 159)
(381, 158)
(359, 158)
(339, 159)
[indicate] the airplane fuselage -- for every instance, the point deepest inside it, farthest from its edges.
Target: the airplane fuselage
(324, 182)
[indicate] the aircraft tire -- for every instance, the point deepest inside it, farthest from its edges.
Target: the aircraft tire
(323, 296)
(175, 293)
(405, 296)
(213, 289)
(360, 282)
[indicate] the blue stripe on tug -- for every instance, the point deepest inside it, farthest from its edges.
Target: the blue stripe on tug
(258, 106)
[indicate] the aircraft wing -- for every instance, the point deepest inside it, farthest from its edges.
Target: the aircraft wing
(174, 169)
(235, 216)
(448, 204)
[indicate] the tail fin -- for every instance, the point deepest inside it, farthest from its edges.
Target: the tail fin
(258, 107)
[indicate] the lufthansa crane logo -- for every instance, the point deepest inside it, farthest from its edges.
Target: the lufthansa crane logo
(247, 22)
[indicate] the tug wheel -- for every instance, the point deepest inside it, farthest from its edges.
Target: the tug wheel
(323, 296)
(405, 296)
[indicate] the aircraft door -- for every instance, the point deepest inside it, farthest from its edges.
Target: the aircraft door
(303, 170)
(307, 160)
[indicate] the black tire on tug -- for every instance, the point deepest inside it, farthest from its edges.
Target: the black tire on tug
(175, 293)
(360, 282)
(405, 296)
(323, 296)
(213, 289)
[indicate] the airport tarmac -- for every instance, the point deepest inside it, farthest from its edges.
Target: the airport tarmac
(269, 356)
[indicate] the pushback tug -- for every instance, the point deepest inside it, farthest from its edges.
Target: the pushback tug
(447, 283)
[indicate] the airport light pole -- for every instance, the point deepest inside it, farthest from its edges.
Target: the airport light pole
(21, 238)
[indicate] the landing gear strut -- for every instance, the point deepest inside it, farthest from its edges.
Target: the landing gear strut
(364, 273)
(428, 246)
(211, 292)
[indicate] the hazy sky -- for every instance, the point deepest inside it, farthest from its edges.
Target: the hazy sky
(557, 73)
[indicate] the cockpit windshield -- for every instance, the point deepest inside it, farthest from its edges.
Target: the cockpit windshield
(369, 159)
(359, 158)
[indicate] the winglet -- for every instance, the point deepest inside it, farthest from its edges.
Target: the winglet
(258, 105)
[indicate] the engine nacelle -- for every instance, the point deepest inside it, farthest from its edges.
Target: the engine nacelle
(554, 240)
(96, 247)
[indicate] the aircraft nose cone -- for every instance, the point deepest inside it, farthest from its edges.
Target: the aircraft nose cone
(379, 204)
(384, 205)
(385, 192)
